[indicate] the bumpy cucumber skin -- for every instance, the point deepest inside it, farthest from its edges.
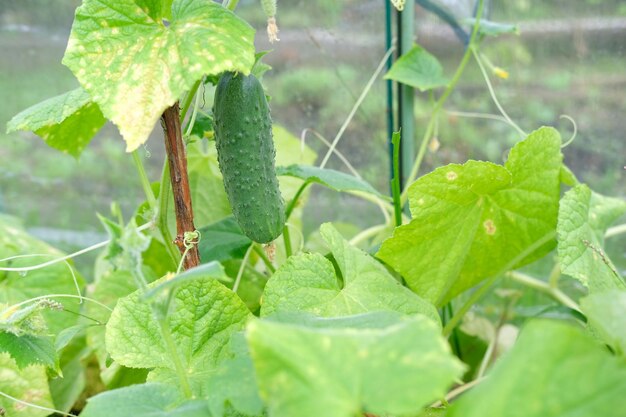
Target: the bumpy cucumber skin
(246, 155)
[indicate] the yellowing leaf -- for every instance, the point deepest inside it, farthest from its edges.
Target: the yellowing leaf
(135, 66)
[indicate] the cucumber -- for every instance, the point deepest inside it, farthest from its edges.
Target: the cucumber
(246, 154)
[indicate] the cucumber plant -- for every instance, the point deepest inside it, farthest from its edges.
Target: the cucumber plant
(223, 329)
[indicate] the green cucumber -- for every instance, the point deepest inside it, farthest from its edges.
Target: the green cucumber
(245, 152)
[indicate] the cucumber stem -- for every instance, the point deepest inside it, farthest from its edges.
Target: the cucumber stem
(395, 182)
(177, 162)
(145, 182)
(287, 239)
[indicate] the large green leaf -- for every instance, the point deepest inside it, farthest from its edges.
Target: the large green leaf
(418, 68)
(223, 240)
(234, 383)
(309, 282)
(54, 279)
(204, 316)
(135, 65)
(606, 315)
(29, 385)
(29, 350)
(66, 122)
(335, 180)
(554, 370)
(584, 217)
(342, 371)
(470, 221)
(145, 400)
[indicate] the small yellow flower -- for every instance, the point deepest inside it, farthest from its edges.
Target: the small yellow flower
(501, 73)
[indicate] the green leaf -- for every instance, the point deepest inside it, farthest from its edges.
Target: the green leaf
(28, 350)
(260, 68)
(66, 335)
(342, 372)
(584, 217)
(207, 187)
(489, 28)
(54, 279)
(29, 385)
(568, 177)
(330, 178)
(419, 69)
(234, 383)
(202, 318)
(471, 221)
(223, 240)
(554, 370)
(202, 127)
(135, 67)
(67, 390)
(66, 122)
(213, 270)
(111, 284)
(309, 282)
(144, 400)
(606, 315)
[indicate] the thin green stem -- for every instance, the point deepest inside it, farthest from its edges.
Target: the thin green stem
(287, 239)
(145, 182)
(456, 343)
(164, 198)
(543, 287)
(232, 4)
(614, 231)
(188, 100)
(259, 251)
(368, 86)
(367, 233)
(555, 274)
(395, 182)
(294, 200)
(241, 269)
(474, 115)
(38, 407)
(175, 356)
(487, 357)
(492, 92)
(192, 121)
(458, 391)
(480, 292)
(439, 104)
(43, 297)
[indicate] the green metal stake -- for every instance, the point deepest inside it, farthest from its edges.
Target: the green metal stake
(406, 94)
(389, 85)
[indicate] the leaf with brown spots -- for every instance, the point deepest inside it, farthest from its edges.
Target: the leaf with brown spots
(470, 221)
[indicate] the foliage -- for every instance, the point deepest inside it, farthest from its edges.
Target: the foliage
(278, 331)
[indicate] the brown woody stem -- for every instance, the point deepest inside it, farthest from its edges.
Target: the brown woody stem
(177, 160)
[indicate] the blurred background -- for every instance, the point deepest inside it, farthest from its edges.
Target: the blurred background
(570, 58)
